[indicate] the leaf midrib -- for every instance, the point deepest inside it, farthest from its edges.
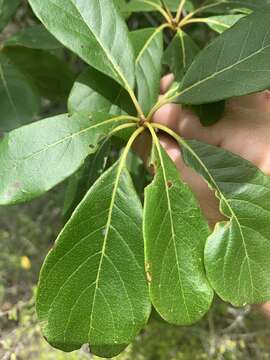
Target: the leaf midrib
(108, 55)
(171, 221)
(121, 166)
(56, 143)
(148, 42)
(180, 93)
(223, 198)
(182, 44)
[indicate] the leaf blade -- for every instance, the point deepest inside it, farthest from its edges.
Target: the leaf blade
(30, 155)
(148, 65)
(122, 302)
(93, 20)
(236, 252)
(179, 289)
(180, 54)
(228, 64)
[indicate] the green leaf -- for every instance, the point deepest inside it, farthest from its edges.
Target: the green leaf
(34, 37)
(36, 157)
(148, 65)
(180, 54)
(51, 75)
(209, 114)
(143, 5)
(152, 5)
(94, 30)
(227, 6)
(84, 178)
(235, 64)
(19, 99)
(92, 286)
(237, 252)
(223, 22)
(7, 10)
(94, 91)
(175, 233)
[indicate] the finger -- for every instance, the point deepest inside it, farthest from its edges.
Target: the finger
(168, 115)
(259, 101)
(206, 198)
(166, 82)
(187, 124)
(190, 127)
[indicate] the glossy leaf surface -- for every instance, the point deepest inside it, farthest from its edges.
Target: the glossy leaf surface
(153, 5)
(36, 157)
(237, 252)
(148, 65)
(180, 54)
(93, 91)
(223, 22)
(175, 233)
(92, 286)
(232, 6)
(235, 64)
(94, 30)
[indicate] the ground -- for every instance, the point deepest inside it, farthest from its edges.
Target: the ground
(26, 234)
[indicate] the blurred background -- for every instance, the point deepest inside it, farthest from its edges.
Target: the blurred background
(28, 231)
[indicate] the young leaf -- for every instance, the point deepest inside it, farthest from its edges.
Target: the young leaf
(237, 252)
(93, 91)
(34, 37)
(95, 31)
(223, 22)
(36, 157)
(175, 234)
(225, 69)
(7, 10)
(143, 5)
(50, 75)
(19, 99)
(227, 6)
(151, 5)
(180, 54)
(92, 287)
(148, 65)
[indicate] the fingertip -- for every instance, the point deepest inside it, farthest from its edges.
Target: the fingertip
(166, 82)
(168, 115)
(172, 149)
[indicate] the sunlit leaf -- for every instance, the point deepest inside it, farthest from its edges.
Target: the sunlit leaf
(36, 157)
(237, 252)
(234, 64)
(175, 234)
(92, 287)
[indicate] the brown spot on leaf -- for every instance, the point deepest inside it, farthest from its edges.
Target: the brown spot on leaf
(169, 184)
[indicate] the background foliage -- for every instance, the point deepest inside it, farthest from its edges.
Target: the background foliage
(27, 231)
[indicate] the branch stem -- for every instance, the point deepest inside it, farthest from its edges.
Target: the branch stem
(179, 10)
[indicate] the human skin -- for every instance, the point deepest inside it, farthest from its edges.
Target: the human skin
(244, 130)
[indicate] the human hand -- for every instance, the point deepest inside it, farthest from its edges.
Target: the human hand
(244, 130)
